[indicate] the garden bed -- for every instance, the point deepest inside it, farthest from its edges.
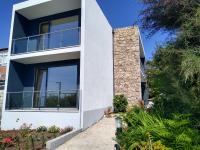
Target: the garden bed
(25, 138)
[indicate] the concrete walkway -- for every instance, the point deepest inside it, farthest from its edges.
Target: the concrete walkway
(98, 137)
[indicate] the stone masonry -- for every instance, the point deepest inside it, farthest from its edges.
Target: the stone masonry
(127, 74)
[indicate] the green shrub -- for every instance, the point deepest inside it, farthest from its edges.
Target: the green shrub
(53, 129)
(41, 129)
(120, 103)
(145, 130)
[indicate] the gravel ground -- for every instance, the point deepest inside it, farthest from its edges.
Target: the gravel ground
(98, 137)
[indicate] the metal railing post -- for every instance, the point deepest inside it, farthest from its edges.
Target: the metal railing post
(22, 100)
(8, 98)
(61, 39)
(27, 44)
(13, 47)
(38, 105)
(43, 41)
(58, 103)
(79, 35)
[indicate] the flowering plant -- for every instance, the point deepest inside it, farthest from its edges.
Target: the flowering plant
(25, 129)
(25, 126)
(8, 141)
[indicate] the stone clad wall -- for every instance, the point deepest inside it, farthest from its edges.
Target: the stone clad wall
(127, 75)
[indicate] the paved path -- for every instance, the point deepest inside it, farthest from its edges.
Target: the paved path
(98, 137)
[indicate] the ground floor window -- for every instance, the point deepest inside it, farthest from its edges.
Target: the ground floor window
(54, 86)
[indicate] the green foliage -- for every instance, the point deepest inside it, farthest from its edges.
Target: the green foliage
(168, 15)
(120, 103)
(54, 129)
(41, 129)
(32, 141)
(174, 74)
(43, 140)
(191, 66)
(173, 81)
(148, 131)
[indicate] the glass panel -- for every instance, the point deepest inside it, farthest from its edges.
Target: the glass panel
(68, 99)
(40, 94)
(27, 99)
(44, 28)
(19, 46)
(54, 40)
(52, 99)
(70, 37)
(62, 78)
(32, 45)
(35, 43)
(14, 101)
(64, 23)
(56, 87)
(46, 41)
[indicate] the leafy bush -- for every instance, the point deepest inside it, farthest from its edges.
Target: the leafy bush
(41, 129)
(120, 103)
(149, 130)
(53, 129)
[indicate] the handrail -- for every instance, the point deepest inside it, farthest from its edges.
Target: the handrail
(46, 91)
(59, 31)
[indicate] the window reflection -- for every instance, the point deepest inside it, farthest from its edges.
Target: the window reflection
(56, 86)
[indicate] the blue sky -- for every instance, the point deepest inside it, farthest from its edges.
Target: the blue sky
(120, 13)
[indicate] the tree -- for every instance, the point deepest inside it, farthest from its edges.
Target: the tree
(174, 77)
(168, 15)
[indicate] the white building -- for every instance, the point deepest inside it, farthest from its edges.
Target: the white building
(60, 69)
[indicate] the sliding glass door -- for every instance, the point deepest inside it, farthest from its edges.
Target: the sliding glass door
(56, 86)
(63, 32)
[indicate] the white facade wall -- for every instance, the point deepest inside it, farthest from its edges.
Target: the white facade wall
(98, 63)
(96, 74)
(14, 119)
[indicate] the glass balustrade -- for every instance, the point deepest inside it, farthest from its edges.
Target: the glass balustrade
(48, 41)
(42, 99)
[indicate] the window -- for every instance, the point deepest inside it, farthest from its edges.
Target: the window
(59, 24)
(56, 87)
(63, 32)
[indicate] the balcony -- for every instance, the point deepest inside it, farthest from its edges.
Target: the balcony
(49, 41)
(41, 100)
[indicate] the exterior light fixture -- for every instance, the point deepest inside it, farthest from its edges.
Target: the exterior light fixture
(118, 122)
